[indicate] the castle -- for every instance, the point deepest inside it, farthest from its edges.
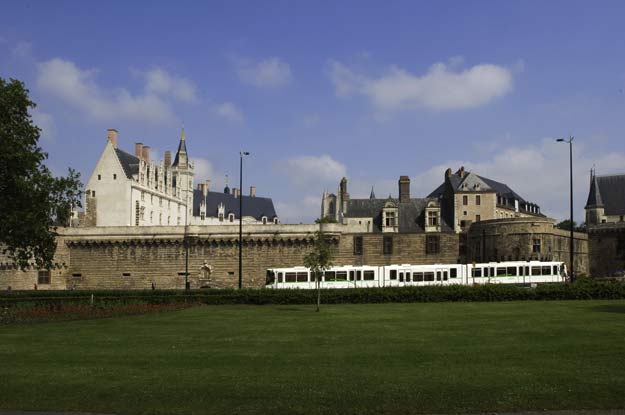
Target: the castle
(134, 190)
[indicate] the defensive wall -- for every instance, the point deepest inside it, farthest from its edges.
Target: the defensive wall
(607, 249)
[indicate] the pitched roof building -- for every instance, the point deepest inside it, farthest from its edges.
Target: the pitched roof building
(134, 190)
(606, 199)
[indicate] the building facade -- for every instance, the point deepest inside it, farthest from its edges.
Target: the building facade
(133, 190)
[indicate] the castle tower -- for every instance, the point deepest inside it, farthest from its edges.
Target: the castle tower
(594, 205)
(182, 173)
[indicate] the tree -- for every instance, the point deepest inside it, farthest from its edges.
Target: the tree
(319, 260)
(566, 225)
(325, 219)
(32, 201)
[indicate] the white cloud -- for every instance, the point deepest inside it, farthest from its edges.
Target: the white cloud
(267, 73)
(302, 210)
(203, 170)
(45, 122)
(77, 87)
(229, 111)
(313, 170)
(159, 81)
(440, 88)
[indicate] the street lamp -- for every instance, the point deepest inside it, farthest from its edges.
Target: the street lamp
(241, 154)
(572, 245)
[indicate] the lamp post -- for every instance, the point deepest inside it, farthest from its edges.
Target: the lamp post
(572, 244)
(241, 154)
(186, 251)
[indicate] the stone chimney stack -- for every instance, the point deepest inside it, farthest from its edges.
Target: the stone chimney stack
(111, 135)
(207, 184)
(404, 189)
(235, 192)
(461, 172)
(167, 159)
(252, 191)
(145, 153)
(204, 189)
(139, 150)
(448, 173)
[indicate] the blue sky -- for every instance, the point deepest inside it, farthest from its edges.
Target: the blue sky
(318, 90)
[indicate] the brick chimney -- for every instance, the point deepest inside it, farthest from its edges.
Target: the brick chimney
(145, 153)
(111, 135)
(167, 159)
(252, 191)
(139, 150)
(404, 189)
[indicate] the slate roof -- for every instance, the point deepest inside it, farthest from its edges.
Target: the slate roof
(611, 193)
(411, 214)
(501, 189)
(181, 147)
(256, 207)
(129, 162)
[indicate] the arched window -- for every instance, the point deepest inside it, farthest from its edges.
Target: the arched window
(264, 219)
(275, 221)
(231, 217)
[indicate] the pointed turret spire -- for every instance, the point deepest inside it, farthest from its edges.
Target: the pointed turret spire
(594, 196)
(372, 195)
(181, 154)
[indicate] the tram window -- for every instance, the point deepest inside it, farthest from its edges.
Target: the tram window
(407, 277)
(535, 270)
(393, 274)
(369, 275)
(279, 277)
(511, 271)
(358, 275)
(290, 277)
(527, 271)
(401, 277)
(453, 273)
(492, 272)
(444, 275)
(438, 275)
(330, 276)
(501, 272)
(417, 276)
(352, 276)
(477, 272)
(429, 276)
(341, 275)
(555, 270)
(312, 277)
(521, 273)
(302, 277)
(547, 270)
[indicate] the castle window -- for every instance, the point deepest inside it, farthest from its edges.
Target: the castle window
(114, 176)
(221, 217)
(275, 221)
(465, 200)
(231, 217)
(432, 244)
(137, 213)
(478, 200)
(387, 245)
(357, 245)
(621, 218)
(43, 276)
(478, 218)
(99, 177)
(390, 219)
(202, 215)
(536, 246)
(432, 218)
(264, 219)
(142, 195)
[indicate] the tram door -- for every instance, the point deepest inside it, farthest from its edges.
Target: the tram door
(442, 276)
(404, 277)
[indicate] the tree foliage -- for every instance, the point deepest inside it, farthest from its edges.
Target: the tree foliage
(319, 260)
(566, 225)
(32, 201)
(325, 219)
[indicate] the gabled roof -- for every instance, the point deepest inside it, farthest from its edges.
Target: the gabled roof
(611, 192)
(256, 207)
(129, 163)
(411, 214)
(456, 182)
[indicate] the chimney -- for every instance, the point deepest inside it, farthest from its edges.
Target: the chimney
(199, 186)
(235, 192)
(204, 189)
(461, 172)
(139, 150)
(207, 184)
(252, 191)
(404, 189)
(145, 153)
(448, 173)
(111, 135)
(167, 159)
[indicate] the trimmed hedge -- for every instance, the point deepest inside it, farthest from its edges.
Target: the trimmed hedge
(580, 290)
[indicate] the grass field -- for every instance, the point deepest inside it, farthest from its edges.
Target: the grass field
(348, 359)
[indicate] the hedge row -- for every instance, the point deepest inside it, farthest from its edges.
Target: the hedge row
(579, 290)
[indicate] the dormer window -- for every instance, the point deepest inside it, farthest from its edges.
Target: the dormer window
(432, 217)
(202, 215)
(264, 220)
(221, 217)
(390, 217)
(275, 220)
(231, 217)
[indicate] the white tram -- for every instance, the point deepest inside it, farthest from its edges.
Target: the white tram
(522, 273)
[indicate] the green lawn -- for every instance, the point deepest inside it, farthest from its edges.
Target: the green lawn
(348, 359)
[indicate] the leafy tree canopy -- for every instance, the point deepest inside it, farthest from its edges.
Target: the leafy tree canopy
(325, 219)
(32, 201)
(319, 259)
(566, 225)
